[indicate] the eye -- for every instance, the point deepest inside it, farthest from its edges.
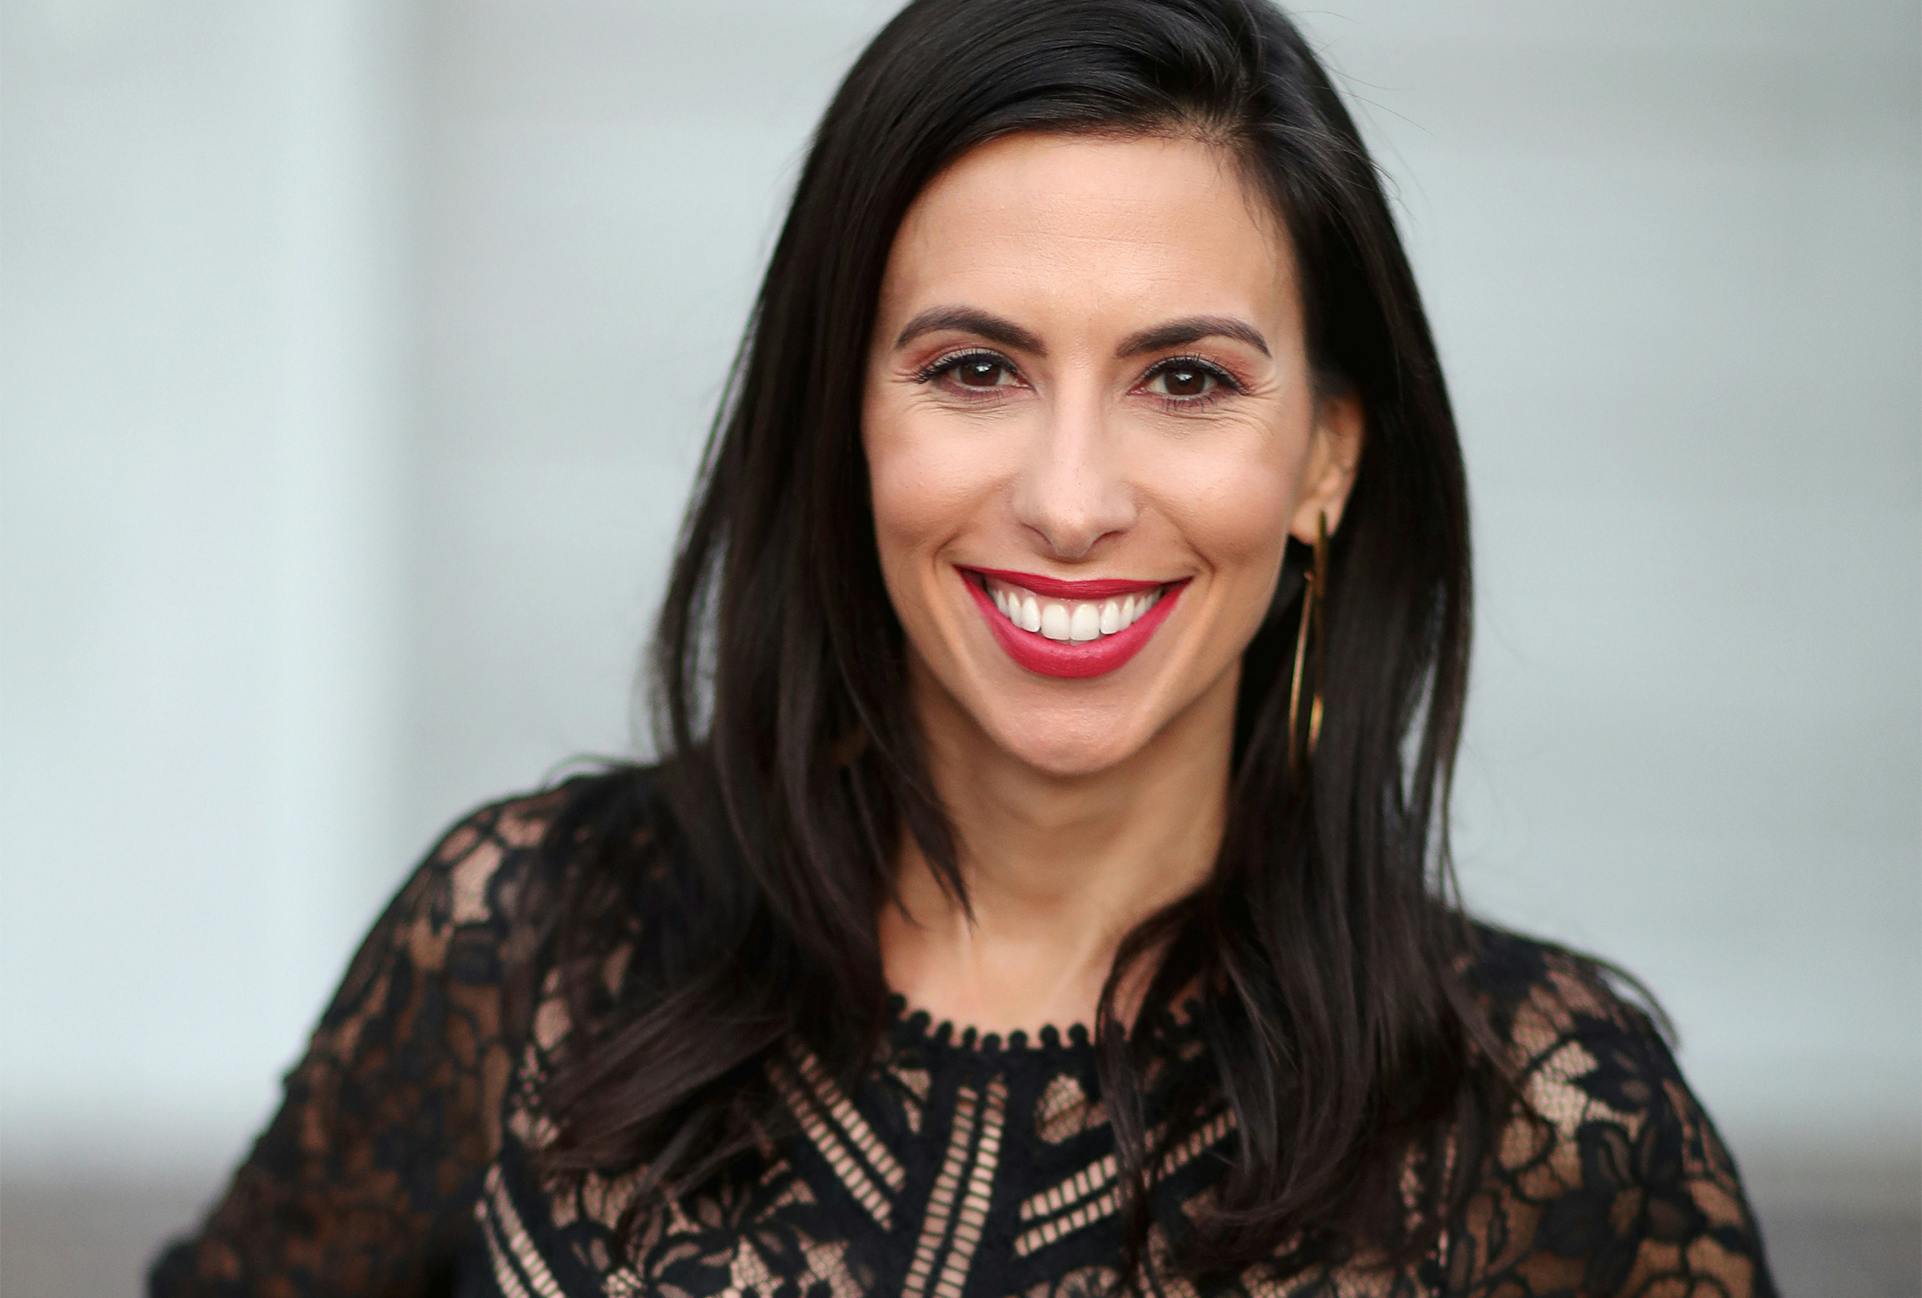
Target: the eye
(974, 370)
(1188, 379)
(1191, 382)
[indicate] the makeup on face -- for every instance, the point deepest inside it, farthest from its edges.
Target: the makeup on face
(1072, 629)
(1085, 420)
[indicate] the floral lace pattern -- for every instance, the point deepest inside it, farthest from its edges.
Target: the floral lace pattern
(958, 1166)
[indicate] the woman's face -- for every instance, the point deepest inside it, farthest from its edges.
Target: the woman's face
(1088, 367)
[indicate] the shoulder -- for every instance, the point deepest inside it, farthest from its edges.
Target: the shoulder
(495, 872)
(1584, 1050)
(1538, 991)
(1615, 1159)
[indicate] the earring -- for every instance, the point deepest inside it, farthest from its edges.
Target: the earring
(1307, 640)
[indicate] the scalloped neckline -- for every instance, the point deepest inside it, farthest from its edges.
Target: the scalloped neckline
(915, 1024)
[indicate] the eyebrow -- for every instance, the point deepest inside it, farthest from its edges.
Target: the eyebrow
(1169, 333)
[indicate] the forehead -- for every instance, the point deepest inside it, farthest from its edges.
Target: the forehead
(1038, 222)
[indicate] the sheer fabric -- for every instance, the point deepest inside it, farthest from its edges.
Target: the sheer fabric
(961, 1165)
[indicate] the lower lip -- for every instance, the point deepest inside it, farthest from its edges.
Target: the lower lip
(1070, 658)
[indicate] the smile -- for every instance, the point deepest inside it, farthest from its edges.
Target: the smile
(1052, 632)
(1076, 620)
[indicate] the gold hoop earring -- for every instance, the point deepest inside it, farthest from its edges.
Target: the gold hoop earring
(1308, 640)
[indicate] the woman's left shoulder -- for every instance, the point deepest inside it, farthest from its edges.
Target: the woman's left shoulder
(1594, 1060)
(1627, 1177)
(1539, 992)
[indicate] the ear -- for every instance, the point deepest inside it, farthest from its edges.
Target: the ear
(1334, 453)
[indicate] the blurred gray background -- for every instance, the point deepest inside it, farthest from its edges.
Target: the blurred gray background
(357, 356)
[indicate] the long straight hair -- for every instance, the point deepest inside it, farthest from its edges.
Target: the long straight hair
(1342, 1032)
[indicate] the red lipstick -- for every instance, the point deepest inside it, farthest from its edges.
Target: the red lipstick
(1056, 588)
(1070, 658)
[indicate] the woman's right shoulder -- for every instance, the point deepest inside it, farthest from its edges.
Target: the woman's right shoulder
(499, 869)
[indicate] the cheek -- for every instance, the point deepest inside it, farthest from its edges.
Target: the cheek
(1232, 504)
(924, 490)
(925, 482)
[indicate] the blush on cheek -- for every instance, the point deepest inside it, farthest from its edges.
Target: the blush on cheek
(1234, 509)
(909, 528)
(925, 487)
(1248, 526)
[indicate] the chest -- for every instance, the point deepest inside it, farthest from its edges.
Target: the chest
(937, 1175)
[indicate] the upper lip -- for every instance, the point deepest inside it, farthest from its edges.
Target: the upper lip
(1060, 589)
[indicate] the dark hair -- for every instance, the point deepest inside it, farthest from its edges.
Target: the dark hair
(1343, 1034)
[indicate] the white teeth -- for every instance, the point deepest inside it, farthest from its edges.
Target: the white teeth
(1071, 620)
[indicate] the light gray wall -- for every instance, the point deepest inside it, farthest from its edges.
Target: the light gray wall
(207, 303)
(356, 357)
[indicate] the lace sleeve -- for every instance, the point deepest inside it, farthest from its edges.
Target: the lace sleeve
(1694, 1230)
(1627, 1187)
(360, 1182)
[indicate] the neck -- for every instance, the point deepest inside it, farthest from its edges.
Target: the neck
(1058, 868)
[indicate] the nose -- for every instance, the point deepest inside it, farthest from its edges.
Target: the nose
(1072, 488)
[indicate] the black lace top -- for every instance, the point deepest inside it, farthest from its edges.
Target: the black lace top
(960, 1166)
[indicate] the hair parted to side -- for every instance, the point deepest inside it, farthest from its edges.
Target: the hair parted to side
(1331, 928)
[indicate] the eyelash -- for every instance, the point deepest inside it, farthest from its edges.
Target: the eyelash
(1228, 385)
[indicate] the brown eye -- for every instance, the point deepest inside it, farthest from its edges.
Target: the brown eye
(977, 371)
(1185, 380)
(974, 371)
(1191, 384)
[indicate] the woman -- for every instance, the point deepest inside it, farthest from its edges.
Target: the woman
(1059, 682)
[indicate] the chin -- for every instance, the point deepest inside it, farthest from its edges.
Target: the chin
(1065, 756)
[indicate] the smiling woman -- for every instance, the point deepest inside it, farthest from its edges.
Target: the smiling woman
(1173, 458)
(1045, 887)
